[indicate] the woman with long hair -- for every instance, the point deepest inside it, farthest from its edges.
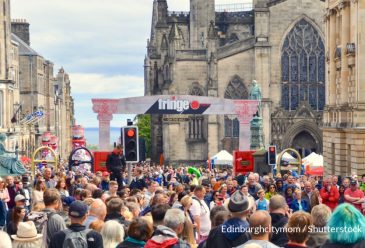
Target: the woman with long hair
(289, 196)
(217, 200)
(40, 187)
(61, 186)
(17, 217)
(4, 193)
(189, 225)
(271, 191)
(341, 190)
(113, 233)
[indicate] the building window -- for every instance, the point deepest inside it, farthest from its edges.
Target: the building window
(231, 127)
(235, 90)
(303, 68)
(196, 121)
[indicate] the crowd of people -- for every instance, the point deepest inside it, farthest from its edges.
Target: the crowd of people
(170, 207)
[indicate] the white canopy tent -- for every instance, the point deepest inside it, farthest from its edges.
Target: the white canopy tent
(313, 160)
(222, 158)
(286, 157)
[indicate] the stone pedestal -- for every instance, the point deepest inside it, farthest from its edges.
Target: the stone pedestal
(256, 133)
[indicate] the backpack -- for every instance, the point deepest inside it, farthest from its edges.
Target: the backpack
(75, 239)
(40, 220)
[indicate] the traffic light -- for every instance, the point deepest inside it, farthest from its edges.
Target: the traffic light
(271, 155)
(130, 143)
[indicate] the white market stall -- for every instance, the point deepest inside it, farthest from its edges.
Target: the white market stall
(222, 158)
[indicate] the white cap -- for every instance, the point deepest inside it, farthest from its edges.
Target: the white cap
(19, 197)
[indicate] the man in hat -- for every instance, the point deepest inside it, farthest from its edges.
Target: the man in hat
(116, 164)
(354, 195)
(105, 181)
(78, 212)
(234, 231)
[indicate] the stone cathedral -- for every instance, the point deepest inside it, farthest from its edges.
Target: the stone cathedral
(205, 52)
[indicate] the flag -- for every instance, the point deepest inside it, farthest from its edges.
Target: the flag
(162, 159)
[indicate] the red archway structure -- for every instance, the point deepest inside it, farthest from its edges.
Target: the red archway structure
(174, 104)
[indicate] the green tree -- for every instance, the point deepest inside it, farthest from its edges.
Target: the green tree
(144, 130)
(92, 147)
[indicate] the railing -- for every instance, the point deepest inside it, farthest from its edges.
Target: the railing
(234, 7)
(178, 13)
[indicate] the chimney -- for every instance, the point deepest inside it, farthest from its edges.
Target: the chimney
(20, 27)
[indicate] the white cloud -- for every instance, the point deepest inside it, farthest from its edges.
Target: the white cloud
(105, 37)
(104, 86)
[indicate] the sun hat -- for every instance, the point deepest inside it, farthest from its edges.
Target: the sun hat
(26, 232)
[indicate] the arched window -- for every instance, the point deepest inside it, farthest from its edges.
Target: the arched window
(303, 68)
(196, 121)
(235, 90)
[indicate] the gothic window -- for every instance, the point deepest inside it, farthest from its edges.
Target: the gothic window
(303, 68)
(196, 121)
(235, 90)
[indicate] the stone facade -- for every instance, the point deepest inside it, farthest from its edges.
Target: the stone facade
(344, 119)
(9, 77)
(28, 84)
(41, 90)
(210, 53)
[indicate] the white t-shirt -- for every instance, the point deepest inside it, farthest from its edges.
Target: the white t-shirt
(200, 208)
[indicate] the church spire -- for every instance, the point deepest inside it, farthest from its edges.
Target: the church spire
(175, 33)
(201, 13)
(161, 12)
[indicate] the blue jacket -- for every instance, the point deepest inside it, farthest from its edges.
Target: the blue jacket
(3, 213)
(104, 185)
(295, 205)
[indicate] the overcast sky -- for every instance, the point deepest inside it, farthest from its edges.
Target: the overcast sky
(100, 43)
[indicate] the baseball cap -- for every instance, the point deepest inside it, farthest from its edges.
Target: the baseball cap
(105, 174)
(353, 182)
(78, 209)
(66, 201)
(19, 197)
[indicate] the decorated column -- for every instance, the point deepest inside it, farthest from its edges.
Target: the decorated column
(245, 109)
(105, 109)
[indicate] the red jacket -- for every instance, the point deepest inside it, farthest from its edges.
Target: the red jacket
(330, 198)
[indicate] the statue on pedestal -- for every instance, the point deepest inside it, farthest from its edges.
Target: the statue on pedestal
(9, 164)
(255, 91)
(256, 123)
